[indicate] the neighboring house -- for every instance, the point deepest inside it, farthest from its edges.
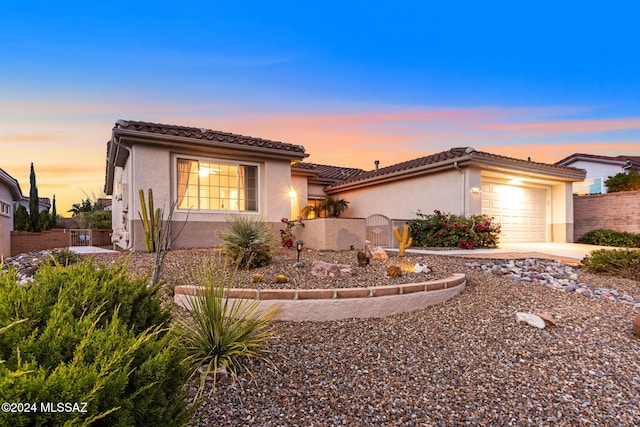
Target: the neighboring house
(9, 194)
(598, 169)
(210, 175)
(44, 203)
(532, 201)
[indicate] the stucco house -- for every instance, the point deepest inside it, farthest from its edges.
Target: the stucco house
(598, 170)
(532, 201)
(210, 175)
(9, 194)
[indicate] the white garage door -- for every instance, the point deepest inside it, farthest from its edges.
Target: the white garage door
(521, 211)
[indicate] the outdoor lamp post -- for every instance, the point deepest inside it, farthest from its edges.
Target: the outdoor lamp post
(299, 245)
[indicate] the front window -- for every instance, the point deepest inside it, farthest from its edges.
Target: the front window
(216, 186)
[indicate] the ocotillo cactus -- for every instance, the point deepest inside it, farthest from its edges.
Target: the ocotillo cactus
(404, 240)
(150, 222)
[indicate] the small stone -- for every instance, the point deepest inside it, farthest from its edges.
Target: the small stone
(531, 319)
(394, 271)
(374, 252)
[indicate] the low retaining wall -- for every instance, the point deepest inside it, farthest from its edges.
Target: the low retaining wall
(343, 303)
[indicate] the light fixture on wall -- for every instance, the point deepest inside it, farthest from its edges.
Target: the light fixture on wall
(476, 190)
(292, 194)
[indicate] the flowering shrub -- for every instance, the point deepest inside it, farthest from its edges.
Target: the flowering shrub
(451, 231)
(286, 235)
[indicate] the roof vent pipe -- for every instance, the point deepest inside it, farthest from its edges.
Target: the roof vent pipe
(377, 163)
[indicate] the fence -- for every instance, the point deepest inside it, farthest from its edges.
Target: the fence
(615, 211)
(22, 242)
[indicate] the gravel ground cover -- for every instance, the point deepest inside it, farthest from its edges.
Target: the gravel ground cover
(464, 362)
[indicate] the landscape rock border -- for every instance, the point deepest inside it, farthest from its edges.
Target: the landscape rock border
(343, 303)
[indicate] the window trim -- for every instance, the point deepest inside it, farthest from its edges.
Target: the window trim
(233, 162)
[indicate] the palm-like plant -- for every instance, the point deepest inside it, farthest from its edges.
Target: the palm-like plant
(248, 241)
(329, 208)
(220, 333)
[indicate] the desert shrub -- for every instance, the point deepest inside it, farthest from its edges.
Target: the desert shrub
(448, 230)
(88, 333)
(616, 262)
(63, 257)
(623, 182)
(97, 220)
(247, 241)
(611, 238)
(286, 236)
(218, 332)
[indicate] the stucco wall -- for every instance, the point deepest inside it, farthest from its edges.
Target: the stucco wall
(154, 168)
(615, 211)
(6, 222)
(402, 199)
(333, 233)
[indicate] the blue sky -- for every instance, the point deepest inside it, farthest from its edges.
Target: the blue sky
(351, 81)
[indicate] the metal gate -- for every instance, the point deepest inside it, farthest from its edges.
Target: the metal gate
(379, 230)
(80, 237)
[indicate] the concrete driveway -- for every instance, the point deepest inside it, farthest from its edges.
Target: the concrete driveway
(571, 252)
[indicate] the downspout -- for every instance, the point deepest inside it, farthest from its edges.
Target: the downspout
(463, 199)
(130, 195)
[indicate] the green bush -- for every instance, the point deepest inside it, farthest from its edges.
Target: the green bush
(611, 238)
(63, 257)
(623, 182)
(219, 333)
(454, 231)
(88, 333)
(616, 262)
(97, 220)
(248, 241)
(21, 221)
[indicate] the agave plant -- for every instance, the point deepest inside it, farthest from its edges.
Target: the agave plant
(248, 241)
(220, 333)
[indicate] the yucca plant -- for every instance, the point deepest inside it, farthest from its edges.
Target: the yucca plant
(218, 333)
(248, 241)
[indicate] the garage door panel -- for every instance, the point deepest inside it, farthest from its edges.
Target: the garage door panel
(521, 211)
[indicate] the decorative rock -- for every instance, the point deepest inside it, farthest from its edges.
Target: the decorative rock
(531, 319)
(548, 319)
(374, 252)
(299, 264)
(394, 271)
(325, 269)
(280, 278)
(636, 324)
(363, 259)
(421, 268)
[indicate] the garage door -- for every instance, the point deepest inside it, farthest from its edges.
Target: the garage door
(521, 211)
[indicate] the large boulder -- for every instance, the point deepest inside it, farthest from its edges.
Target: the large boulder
(326, 269)
(374, 252)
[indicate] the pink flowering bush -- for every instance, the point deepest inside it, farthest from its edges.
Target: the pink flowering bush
(286, 235)
(454, 231)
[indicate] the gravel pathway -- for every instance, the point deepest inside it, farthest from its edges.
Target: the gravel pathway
(463, 362)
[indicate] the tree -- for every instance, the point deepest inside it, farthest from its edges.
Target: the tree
(34, 201)
(54, 213)
(329, 208)
(84, 206)
(21, 221)
(44, 221)
(623, 182)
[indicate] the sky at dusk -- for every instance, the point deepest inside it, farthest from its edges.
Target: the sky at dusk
(352, 81)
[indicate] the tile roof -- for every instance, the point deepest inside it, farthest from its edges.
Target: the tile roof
(206, 134)
(448, 157)
(578, 156)
(330, 173)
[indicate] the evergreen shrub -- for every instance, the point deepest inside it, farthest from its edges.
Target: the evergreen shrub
(89, 334)
(611, 238)
(616, 262)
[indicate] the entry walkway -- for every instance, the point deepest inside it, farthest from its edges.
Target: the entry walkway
(571, 252)
(89, 250)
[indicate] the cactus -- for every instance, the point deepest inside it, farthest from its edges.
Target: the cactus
(404, 240)
(150, 222)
